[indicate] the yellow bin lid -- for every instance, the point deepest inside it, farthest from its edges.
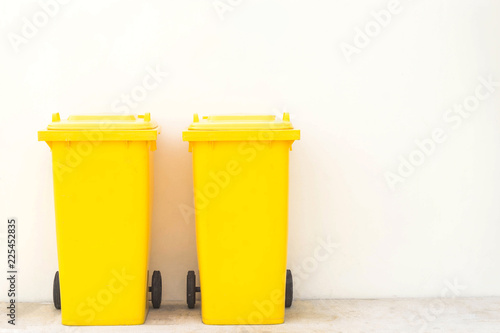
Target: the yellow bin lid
(101, 127)
(241, 127)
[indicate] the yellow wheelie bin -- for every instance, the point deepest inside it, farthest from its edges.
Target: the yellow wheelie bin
(240, 176)
(103, 170)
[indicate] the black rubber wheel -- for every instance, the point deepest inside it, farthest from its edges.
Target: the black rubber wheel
(289, 289)
(56, 292)
(191, 289)
(156, 289)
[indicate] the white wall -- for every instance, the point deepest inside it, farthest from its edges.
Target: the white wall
(438, 227)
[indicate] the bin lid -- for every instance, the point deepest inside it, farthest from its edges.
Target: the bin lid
(93, 127)
(240, 127)
(241, 122)
(102, 122)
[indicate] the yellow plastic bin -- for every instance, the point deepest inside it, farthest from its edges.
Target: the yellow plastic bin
(103, 170)
(240, 170)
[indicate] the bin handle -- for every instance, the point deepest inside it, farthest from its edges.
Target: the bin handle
(146, 116)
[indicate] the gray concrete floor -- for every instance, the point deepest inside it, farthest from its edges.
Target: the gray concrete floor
(350, 316)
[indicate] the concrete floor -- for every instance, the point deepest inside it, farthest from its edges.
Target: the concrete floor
(350, 316)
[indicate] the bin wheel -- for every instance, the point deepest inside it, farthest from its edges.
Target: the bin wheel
(156, 289)
(191, 289)
(289, 289)
(56, 292)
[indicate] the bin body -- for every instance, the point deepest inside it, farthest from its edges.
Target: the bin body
(103, 196)
(241, 206)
